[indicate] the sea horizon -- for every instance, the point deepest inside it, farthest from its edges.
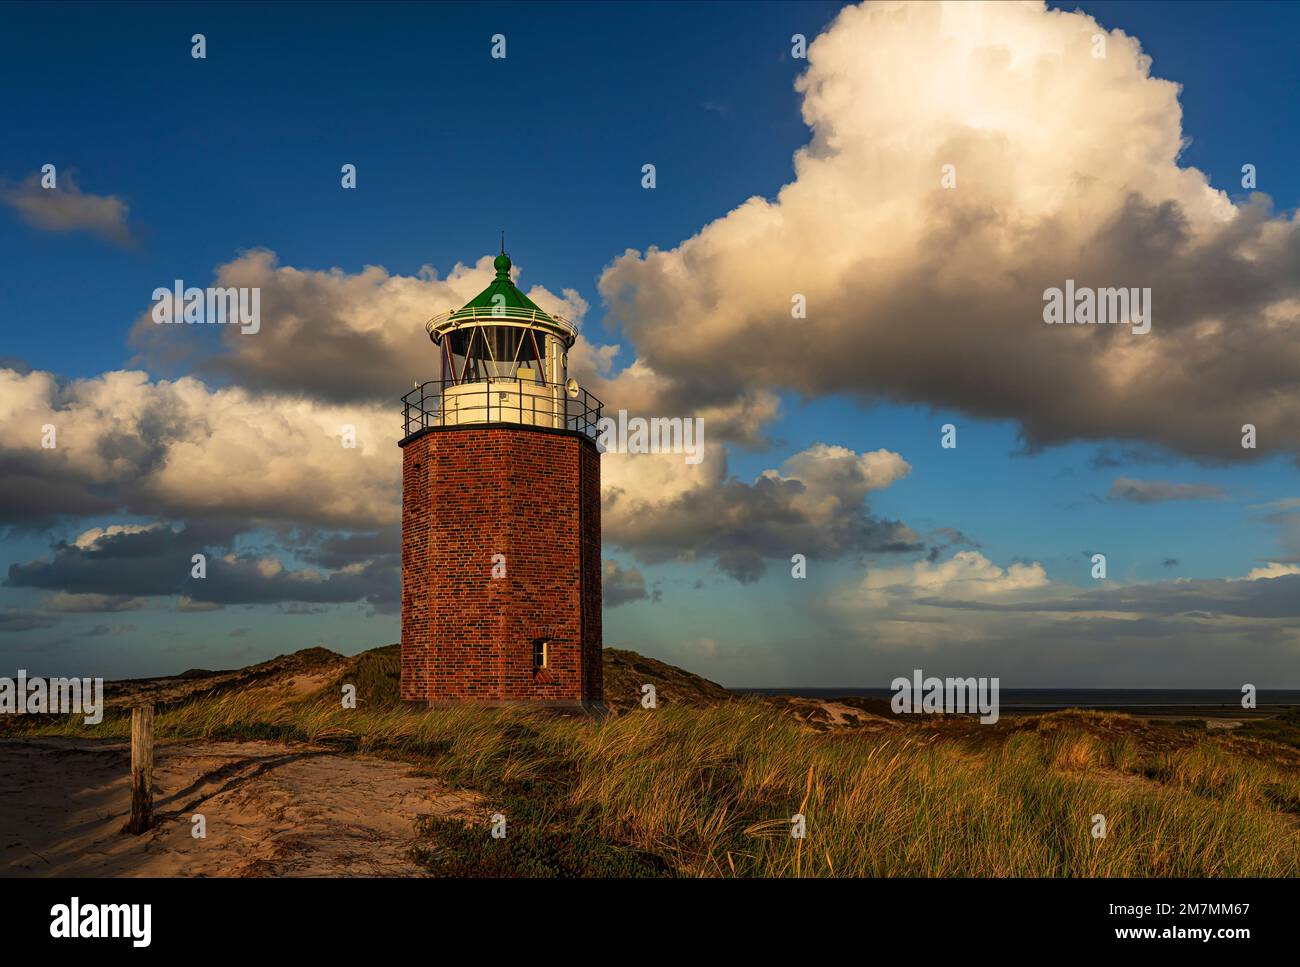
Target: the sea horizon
(1040, 699)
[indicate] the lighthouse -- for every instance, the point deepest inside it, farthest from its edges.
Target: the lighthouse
(501, 513)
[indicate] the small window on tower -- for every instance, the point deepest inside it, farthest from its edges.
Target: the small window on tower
(541, 653)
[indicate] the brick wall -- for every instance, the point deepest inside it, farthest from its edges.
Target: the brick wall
(532, 495)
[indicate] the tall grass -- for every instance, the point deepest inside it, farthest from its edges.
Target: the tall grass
(712, 792)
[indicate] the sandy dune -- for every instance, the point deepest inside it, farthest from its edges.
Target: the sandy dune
(272, 809)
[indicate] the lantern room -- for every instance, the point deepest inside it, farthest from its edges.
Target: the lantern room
(501, 359)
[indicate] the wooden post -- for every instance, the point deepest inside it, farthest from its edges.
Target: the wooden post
(141, 770)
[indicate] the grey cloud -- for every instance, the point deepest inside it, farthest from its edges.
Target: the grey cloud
(1284, 517)
(295, 607)
(1271, 598)
(743, 525)
(66, 208)
(36, 490)
(157, 562)
(620, 585)
(100, 631)
(1161, 491)
(89, 603)
(22, 619)
(334, 550)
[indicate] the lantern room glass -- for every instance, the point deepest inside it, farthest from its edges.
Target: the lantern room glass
(495, 352)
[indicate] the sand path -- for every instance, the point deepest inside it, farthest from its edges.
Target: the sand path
(272, 809)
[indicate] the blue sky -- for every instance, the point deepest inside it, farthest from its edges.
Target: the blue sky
(242, 151)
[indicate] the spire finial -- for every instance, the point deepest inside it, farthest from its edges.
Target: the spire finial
(502, 262)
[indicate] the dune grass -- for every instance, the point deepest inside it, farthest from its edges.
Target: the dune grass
(712, 791)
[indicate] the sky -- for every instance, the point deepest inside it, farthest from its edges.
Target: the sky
(778, 177)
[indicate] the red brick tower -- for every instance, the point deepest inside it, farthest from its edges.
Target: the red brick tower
(501, 513)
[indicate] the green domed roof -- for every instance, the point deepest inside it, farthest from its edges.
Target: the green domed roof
(509, 295)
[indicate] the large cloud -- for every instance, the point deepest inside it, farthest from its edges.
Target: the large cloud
(332, 335)
(661, 508)
(184, 449)
(347, 337)
(1067, 168)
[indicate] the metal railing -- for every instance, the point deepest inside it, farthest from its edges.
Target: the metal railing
(482, 314)
(498, 400)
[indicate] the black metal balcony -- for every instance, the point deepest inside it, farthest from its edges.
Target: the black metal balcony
(446, 402)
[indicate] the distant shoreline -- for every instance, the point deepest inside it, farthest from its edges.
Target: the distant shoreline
(1133, 701)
